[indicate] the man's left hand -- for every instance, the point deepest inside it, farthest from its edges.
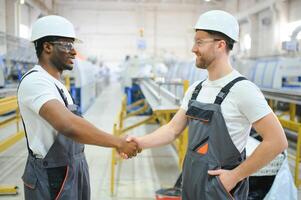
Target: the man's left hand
(226, 177)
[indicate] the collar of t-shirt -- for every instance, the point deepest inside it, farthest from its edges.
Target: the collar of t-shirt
(222, 81)
(41, 69)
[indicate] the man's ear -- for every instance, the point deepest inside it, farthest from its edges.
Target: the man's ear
(47, 47)
(223, 44)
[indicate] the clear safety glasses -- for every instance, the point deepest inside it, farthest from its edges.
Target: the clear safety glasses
(65, 46)
(200, 43)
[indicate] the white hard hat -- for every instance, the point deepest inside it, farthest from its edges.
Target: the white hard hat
(221, 21)
(52, 25)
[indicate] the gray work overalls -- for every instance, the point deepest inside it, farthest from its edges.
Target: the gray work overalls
(210, 147)
(62, 174)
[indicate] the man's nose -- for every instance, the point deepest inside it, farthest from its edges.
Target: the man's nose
(194, 49)
(73, 52)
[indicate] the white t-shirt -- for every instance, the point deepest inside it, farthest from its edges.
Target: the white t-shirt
(34, 91)
(244, 105)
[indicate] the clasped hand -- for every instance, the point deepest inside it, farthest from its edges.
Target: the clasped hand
(128, 149)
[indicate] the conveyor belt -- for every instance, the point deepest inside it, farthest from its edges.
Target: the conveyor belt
(158, 97)
(163, 92)
(285, 95)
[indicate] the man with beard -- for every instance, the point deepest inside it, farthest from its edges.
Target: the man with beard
(56, 167)
(220, 112)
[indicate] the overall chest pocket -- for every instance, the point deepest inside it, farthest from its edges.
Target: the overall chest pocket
(199, 129)
(204, 116)
(29, 177)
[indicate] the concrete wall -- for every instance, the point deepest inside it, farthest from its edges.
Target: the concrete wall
(264, 21)
(2, 27)
(294, 10)
(11, 17)
(2, 16)
(111, 31)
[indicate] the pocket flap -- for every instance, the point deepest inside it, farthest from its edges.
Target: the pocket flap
(30, 180)
(199, 114)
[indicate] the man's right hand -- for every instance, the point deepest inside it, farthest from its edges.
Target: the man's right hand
(128, 148)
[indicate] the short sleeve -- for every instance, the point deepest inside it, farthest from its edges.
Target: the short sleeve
(35, 91)
(251, 102)
(188, 95)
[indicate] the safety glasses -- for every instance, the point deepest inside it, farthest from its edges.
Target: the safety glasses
(200, 43)
(63, 45)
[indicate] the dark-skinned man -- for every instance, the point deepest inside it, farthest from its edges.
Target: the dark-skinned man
(56, 167)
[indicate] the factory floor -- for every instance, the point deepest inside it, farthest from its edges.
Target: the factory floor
(137, 179)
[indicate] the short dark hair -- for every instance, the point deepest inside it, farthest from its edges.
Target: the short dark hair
(39, 43)
(229, 42)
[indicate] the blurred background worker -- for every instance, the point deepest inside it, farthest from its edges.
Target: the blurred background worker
(56, 166)
(220, 112)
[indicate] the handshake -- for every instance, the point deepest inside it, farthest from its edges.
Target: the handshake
(128, 147)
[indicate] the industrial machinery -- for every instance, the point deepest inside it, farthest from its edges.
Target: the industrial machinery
(276, 73)
(86, 82)
(184, 70)
(2, 76)
(82, 84)
(16, 62)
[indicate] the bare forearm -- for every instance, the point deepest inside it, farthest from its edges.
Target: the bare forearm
(84, 132)
(75, 127)
(262, 155)
(274, 142)
(163, 135)
(166, 133)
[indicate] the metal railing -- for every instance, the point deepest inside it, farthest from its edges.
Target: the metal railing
(119, 130)
(9, 105)
(161, 112)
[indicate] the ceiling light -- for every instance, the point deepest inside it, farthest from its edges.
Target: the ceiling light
(22, 1)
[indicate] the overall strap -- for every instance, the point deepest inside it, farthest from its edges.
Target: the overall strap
(29, 150)
(197, 90)
(226, 89)
(26, 75)
(61, 91)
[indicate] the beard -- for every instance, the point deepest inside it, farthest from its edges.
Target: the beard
(62, 65)
(67, 67)
(201, 64)
(204, 63)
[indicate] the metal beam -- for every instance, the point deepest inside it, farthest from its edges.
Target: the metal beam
(8, 104)
(39, 4)
(8, 190)
(255, 9)
(121, 5)
(11, 140)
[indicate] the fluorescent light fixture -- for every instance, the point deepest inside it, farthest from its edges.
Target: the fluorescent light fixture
(22, 1)
(247, 41)
(24, 31)
(287, 30)
(207, 0)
